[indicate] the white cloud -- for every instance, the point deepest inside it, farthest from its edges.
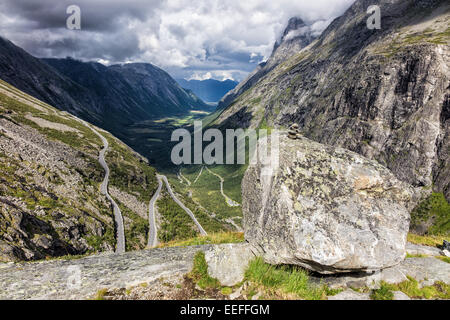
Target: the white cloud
(104, 62)
(200, 76)
(216, 74)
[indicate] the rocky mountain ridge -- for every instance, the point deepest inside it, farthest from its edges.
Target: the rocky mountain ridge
(140, 90)
(109, 97)
(295, 37)
(381, 93)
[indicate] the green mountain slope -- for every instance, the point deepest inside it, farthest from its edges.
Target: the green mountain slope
(50, 202)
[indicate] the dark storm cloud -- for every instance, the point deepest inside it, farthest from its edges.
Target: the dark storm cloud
(111, 47)
(188, 38)
(103, 15)
(40, 28)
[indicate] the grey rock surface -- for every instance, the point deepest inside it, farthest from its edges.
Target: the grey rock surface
(426, 271)
(81, 279)
(227, 263)
(326, 209)
(350, 295)
(398, 295)
(414, 249)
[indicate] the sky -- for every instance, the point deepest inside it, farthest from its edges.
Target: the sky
(191, 39)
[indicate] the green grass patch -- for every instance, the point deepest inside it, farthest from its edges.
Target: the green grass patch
(412, 289)
(411, 256)
(436, 209)
(206, 191)
(288, 279)
(384, 293)
(199, 273)
(176, 224)
(226, 291)
(210, 224)
(445, 259)
(216, 238)
(97, 242)
(431, 241)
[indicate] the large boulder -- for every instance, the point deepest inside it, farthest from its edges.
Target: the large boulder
(326, 209)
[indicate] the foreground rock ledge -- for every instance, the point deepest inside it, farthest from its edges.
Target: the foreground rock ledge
(326, 209)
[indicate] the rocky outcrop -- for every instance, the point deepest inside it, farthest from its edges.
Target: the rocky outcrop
(227, 263)
(151, 270)
(81, 279)
(110, 97)
(426, 271)
(381, 93)
(326, 209)
(350, 295)
(296, 36)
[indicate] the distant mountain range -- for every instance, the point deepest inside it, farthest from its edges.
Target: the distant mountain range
(209, 90)
(110, 97)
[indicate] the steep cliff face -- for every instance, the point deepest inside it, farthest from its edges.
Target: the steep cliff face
(137, 90)
(382, 93)
(296, 36)
(50, 200)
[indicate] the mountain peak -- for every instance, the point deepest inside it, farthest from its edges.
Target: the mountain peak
(295, 28)
(294, 24)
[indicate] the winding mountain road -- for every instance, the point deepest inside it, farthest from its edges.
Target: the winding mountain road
(152, 210)
(184, 178)
(153, 231)
(228, 200)
(188, 211)
(120, 246)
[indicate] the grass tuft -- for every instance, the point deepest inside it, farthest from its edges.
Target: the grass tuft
(288, 279)
(413, 290)
(431, 241)
(199, 273)
(101, 294)
(434, 209)
(215, 238)
(445, 259)
(384, 293)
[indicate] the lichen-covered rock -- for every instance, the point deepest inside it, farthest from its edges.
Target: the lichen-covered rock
(227, 263)
(414, 249)
(326, 209)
